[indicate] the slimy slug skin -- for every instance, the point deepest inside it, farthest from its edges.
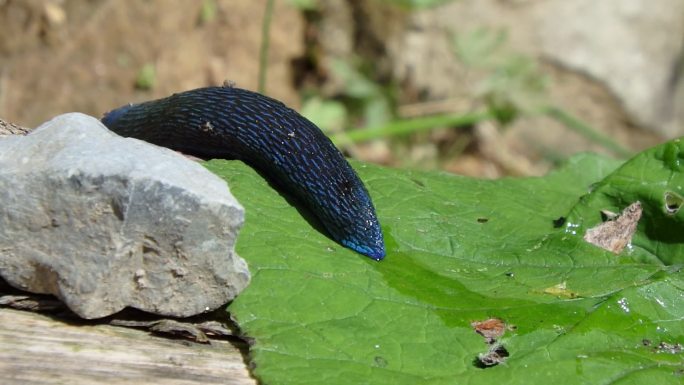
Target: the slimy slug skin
(290, 151)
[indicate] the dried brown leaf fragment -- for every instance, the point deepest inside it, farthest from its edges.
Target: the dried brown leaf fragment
(615, 234)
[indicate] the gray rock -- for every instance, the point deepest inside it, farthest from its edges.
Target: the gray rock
(104, 222)
(633, 46)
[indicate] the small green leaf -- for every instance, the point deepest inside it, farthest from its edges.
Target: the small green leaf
(306, 5)
(418, 4)
(208, 12)
(376, 111)
(356, 84)
(329, 115)
(459, 250)
(147, 77)
(478, 48)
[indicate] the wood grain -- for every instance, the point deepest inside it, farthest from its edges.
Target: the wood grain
(37, 349)
(7, 128)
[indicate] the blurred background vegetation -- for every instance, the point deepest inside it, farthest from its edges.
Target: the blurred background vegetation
(486, 88)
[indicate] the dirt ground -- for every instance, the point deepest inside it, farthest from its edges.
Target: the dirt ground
(74, 55)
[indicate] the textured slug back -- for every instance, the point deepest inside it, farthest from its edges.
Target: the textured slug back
(228, 122)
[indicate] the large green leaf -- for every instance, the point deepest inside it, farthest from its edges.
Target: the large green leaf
(459, 250)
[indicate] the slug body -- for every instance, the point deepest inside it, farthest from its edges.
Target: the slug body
(232, 123)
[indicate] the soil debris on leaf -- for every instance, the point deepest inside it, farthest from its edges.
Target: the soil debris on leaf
(670, 348)
(496, 355)
(491, 329)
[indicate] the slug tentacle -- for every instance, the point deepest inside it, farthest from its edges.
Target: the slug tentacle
(232, 123)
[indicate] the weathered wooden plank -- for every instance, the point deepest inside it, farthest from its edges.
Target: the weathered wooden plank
(7, 128)
(37, 349)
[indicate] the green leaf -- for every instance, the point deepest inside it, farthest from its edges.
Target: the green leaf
(417, 4)
(208, 12)
(478, 47)
(459, 250)
(147, 77)
(377, 111)
(329, 115)
(356, 84)
(305, 5)
(656, 179)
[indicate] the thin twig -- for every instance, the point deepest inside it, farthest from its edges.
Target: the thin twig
(3, 93)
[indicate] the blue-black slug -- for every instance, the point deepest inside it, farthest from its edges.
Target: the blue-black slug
(232, 123)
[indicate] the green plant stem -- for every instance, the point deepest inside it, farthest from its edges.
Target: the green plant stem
(587, 131)
(265, 42)
(410, 126)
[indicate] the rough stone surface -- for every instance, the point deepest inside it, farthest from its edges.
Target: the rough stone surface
(104, 222)
(635, 47)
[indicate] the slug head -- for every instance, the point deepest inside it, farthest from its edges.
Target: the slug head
(351, 220)
(372, 244)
